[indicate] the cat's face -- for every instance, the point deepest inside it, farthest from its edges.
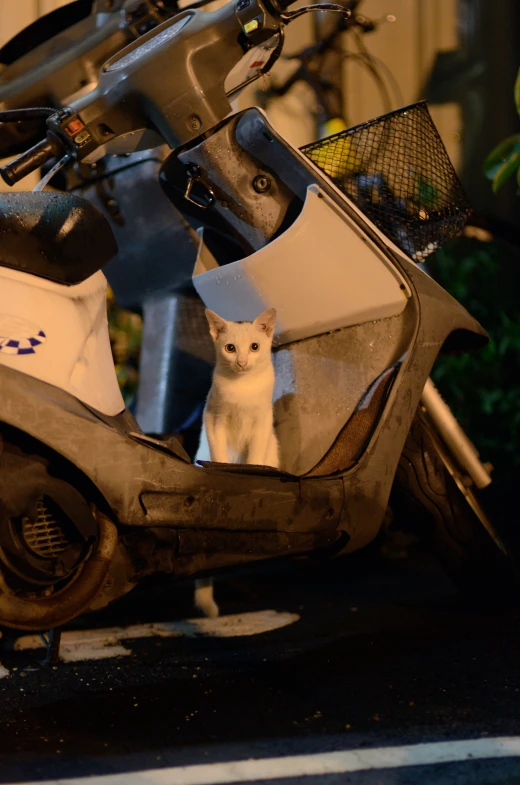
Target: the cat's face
(242, 347)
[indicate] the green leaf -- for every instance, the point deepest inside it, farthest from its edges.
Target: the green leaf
(506, 171)
(503, 150)
(503, 161)
(517, 92)
(500, 157)
(428, 194)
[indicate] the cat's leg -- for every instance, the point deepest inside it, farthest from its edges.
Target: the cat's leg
(215, 432)
(203, 453)
(204, 600)
(272, 456)
(259, 440)
(217, 437)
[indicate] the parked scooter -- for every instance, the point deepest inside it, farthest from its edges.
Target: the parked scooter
(58, 58)
(89, 503)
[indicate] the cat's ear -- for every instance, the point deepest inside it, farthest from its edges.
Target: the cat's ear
(266, 322)
(217, 324)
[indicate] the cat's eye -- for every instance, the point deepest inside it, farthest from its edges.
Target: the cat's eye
(230, 347)
(254, 347)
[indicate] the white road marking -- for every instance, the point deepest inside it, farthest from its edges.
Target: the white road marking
(105, 643)
(3, 671)
(318, 764)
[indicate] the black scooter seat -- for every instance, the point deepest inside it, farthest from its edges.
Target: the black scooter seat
(53, 235)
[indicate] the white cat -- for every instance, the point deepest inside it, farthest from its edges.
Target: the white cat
(238, 417)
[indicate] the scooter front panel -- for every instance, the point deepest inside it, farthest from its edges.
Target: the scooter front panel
(320, 274)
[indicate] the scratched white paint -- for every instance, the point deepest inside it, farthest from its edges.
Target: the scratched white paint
(105, 642)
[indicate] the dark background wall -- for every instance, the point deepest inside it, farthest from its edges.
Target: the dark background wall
(490, 53)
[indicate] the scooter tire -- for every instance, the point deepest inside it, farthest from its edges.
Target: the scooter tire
(433, 495)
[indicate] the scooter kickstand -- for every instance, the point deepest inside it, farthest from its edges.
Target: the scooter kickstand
(52, 640)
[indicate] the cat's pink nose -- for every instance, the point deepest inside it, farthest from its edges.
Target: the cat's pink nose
(242, 363)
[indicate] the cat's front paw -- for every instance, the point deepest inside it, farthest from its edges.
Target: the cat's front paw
(205, 601)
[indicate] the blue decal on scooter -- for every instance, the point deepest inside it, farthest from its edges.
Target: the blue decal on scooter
(19, 336)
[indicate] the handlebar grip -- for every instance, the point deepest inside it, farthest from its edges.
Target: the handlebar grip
(32, 159)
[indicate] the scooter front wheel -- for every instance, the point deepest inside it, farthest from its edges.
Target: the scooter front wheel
(436, 498)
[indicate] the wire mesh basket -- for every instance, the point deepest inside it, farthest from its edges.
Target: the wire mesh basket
(395, 168)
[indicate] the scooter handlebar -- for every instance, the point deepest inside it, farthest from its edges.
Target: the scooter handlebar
(31, 160)
(135, 90)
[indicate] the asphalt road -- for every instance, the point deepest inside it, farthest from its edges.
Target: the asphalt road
(384, 653)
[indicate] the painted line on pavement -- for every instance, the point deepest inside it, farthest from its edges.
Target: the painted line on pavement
(105, 643)
(317, 764)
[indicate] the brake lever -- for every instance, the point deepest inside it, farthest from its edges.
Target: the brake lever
(289, 16)
(54, 170)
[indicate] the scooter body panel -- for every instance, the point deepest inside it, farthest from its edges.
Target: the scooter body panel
(331, 277)
(440, 321)
(149, 483)
(59, 334)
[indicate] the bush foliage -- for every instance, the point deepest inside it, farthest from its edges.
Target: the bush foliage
(483, 387)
